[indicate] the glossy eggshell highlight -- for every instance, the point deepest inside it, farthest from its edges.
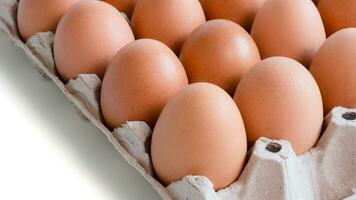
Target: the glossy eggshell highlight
(199, 132)
(279, 99)
(337, 14)
(242, 12)
(88, 37)
(139, 81)
(291, 28)
(209, 57)
(35, 16)
(334, 69)
(125, 6)
(169, 21)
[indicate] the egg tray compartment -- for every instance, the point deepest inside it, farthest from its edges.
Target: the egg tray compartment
(273, 170)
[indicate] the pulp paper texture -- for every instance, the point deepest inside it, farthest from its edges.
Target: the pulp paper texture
(41, 45)
(86, 87)
(193, 187)
(135, 137)
(273, 170)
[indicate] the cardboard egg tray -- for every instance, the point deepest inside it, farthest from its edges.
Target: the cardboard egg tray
(272, 171)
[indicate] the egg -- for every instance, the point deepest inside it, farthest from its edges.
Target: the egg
(88, 37)
(334, 69)
(242, 12)
(35, 16)
(209, 57)
(139, 81)
(169, 21)
(289, 28)
(279, 99)
(337, 14)
(125, 6)
(199, 132)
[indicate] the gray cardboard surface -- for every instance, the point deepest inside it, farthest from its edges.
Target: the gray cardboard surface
(273, 171)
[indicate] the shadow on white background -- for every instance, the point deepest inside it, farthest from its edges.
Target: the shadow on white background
(47, 151)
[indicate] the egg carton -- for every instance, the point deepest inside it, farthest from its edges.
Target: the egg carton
(272, 171)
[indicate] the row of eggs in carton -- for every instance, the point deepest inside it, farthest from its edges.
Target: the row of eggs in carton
(276, 89)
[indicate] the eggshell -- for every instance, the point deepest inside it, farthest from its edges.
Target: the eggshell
(289, 28)
(337, 14)
(242, 12)
(334, 69)
(125, 6)
(88, 37)
(169, 21)
(208, 57)
(139, 81)
(35, 16)
(279, 99)
(199, 132)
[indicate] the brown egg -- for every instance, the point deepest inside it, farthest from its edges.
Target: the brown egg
(208, 57)
(169, 21)
(334, 69)
(288, 28)
(125, 6)
(88, 37)
(199, 132)
(279, 99)
(139, 81)
(242, 12)
(337, 14)
(35, 16)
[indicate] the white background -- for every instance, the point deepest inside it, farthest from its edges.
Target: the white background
(47, 151)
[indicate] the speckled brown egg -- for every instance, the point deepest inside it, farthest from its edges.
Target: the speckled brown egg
(139, 81)
(337, 14)
(242, 12)
(334, 69)
(40, 15)
(125, 6)
(289, 28)
(279, 99)
(199, 132)
(88, 37)
(220, 52)
(169, 21)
